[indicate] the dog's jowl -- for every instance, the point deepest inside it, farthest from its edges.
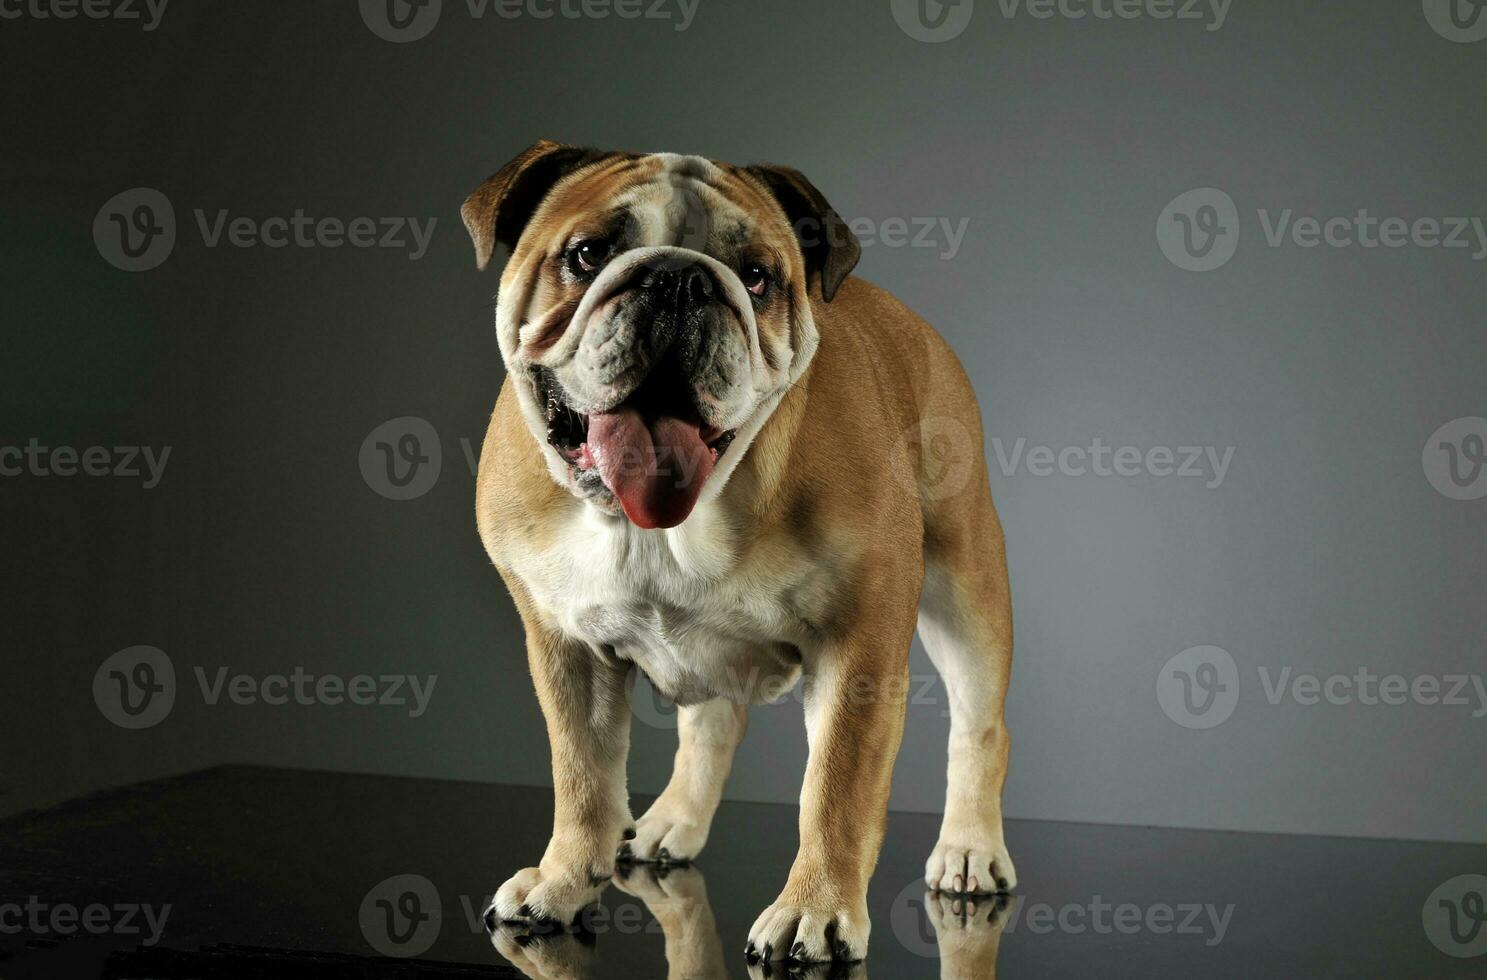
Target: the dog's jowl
(718, 456)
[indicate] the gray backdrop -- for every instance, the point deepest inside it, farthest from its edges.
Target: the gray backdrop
(1050, 157)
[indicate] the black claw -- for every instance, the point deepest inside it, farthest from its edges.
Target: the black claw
(629, 833)
(626, 853)
(524, 941)
(525, 911)
(797, 952)
(489, 918)
(1001, 884)
(769, 951)
(750, 953)
(842, 951)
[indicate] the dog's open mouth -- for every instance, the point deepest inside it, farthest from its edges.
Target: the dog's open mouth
(653, 451)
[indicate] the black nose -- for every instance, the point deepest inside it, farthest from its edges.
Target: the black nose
(685, 288)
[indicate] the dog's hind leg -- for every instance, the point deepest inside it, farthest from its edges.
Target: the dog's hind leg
(675, 828)
(965, 621)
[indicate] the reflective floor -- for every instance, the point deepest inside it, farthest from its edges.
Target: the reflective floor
(275, 873)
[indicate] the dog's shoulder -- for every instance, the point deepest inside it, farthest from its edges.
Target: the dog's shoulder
(878, 362)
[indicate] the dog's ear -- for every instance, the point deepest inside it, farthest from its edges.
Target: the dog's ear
(829, 246)
(497, 211)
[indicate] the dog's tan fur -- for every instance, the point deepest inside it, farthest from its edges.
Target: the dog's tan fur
(857, 516)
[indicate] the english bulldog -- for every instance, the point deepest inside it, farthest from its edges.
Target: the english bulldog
(720, 458)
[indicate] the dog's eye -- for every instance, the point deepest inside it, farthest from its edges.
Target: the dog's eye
(755, 278)
(588, 256)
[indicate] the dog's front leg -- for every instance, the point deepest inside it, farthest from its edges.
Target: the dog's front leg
(677, 824)
(582, 692)
(856, 691)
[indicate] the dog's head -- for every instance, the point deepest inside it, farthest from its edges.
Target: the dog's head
(654, 310)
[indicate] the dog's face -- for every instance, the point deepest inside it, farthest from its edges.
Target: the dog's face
(653, 311)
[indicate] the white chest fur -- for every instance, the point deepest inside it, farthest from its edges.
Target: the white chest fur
(675, 602)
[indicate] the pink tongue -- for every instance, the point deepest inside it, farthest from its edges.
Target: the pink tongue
(655, 470)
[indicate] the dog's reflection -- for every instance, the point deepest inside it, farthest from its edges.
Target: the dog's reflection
(968, 930)
(674, 895)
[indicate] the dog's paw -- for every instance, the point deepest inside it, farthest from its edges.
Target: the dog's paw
(807, 929)
(968, 930)
(666, 835)
(536, 895)
(971, 863)
(662, 886)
